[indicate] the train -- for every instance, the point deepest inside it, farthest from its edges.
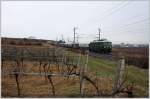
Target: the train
(97, 46)
(74, 45)
(100, 46)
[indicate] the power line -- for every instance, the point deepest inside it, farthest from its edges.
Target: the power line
(111, 9)
(133, 18)
(129, 24)
(139, 21)
(129, 31)
(114, 11)
(136, 30)
(133, 23)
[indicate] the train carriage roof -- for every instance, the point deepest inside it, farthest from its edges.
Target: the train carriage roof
(102, 40)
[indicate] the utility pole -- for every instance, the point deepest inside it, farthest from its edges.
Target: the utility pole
(99, 33)
(74, 29)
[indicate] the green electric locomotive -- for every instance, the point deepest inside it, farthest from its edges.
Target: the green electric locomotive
(100, 46)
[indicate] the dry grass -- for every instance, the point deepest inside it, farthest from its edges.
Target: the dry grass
(135, 56)
(37, 86)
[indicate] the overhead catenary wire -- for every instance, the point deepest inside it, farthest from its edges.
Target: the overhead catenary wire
(139, 21)
(107, 11)
(129, 24)
(113, 10)
(129, 31)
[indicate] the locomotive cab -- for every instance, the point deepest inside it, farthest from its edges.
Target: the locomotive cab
(100, 46)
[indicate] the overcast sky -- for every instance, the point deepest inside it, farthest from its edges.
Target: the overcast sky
(119, 21)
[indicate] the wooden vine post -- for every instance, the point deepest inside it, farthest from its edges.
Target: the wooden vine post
(16, 74)
(83, 70)
(22, 60)
(52, 85)
(79, 59)
(119, 76)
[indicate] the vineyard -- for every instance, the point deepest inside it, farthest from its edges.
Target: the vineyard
(45, 62)
(135, 56)
(57, 72)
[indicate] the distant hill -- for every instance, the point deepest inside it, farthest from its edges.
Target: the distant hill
(24, 41)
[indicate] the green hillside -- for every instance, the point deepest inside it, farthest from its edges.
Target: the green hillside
(107, 68)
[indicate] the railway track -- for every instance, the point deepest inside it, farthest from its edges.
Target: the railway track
(103, 56)
(108, 56)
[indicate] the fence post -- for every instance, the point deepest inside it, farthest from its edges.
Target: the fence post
(87, 56)
(83, 70)
(63, 60)
(119, 75)
(22, 60)
(79, 59)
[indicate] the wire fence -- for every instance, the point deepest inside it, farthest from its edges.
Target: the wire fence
(52, 62)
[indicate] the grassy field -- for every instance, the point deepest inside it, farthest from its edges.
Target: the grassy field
(137, 75)
(106, 69)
